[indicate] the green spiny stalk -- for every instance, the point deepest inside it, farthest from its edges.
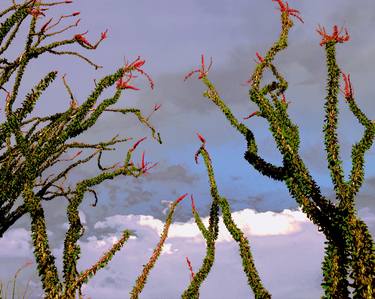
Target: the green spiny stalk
(141, 280)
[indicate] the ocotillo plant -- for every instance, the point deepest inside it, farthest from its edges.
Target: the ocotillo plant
(26, 153)
(29, 153)
(350, 251)
(211, 235)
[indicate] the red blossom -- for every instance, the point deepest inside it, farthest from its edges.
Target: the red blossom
(252, 114)
(143, 160)
(135, 66)
(201, 138)
(144, 165)
(334, 37)
(81, 39)
(190, 268)
(85, 43)
(202, 71)
(156, 107)
(76, 13)
(36, 12)
(137, 63)
(180, 198)
(261, 59)
(104, 34)
(192, 203)
(121, 84)
(284, 7)
(348, 86)
(136, 144)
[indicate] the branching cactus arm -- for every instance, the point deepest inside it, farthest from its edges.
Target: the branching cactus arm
(359, 149)
(350, 250)
(247, 261)
(101, 263)
(141, 280)
(209, 234)
(44, 258)
(284, 131)
(45, 145)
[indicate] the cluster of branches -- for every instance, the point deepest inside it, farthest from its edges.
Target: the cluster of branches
(349, 260)
(28, 147)
(26, 154)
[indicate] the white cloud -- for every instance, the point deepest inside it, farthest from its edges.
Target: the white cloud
(252, 223)
(286, 246)
(15, 243)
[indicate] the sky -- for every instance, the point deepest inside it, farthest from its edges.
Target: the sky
(171, 36)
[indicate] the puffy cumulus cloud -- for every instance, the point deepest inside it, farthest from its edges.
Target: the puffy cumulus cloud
(286, 247)
(252, 223)
(15, 243)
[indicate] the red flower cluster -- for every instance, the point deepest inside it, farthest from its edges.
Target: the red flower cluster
(202, 71)
(36, 12)
(261, 59)
(144, 165)
(134, 66)
(334, 37)
(348, 92)
(85, 43)
(289, 11)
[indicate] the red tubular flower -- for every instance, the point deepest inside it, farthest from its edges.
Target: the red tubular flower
(190, 268)
(120, 84)
(289, 11)
(348, 86)
(81, 39)
(157, 107)
(192, 203)
(136, 144)
(104, 34)
(137, 63)
(202, 71)
(84, 42)
(334, 37)
(180, 198)
(135, 66)
(36, 12)
(261, 59)
(252, 114)
(76, 13)
(143, 161)
(201, 138)
(144, 165)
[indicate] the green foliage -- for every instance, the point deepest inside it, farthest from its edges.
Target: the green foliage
(350, 249)
(28, 152)
(211, 235)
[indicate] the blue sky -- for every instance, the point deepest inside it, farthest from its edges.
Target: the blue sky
(171, 36)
